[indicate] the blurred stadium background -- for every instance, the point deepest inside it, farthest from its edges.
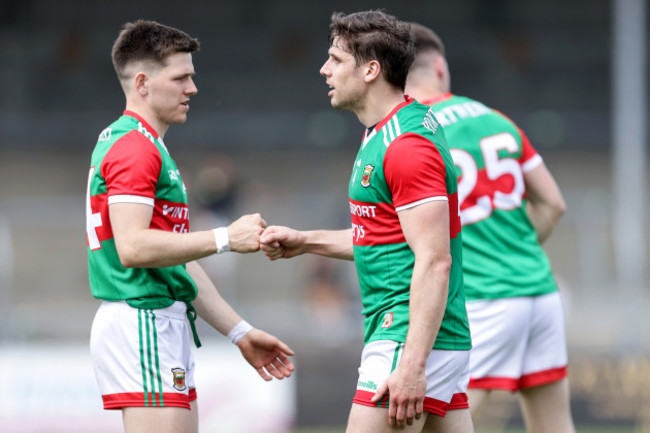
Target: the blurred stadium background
(261, 137)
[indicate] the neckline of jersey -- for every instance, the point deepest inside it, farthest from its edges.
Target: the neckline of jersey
(144, 122)
(407, 100)
(437, 99)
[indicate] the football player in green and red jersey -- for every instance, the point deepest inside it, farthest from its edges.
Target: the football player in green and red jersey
(405, 238)
(141, 252)
(509, 204)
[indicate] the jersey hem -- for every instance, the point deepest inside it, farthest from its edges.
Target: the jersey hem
(490, 296)
(438, 345)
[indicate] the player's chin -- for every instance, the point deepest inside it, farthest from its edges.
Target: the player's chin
(180, 117)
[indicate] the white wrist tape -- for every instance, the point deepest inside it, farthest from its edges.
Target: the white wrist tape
(222, 240)
(239, 331)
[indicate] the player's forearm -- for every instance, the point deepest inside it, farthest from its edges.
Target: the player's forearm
(209, 304)
(544, 217)
(329, 243)
(150, 248)
(429, 291)
(545, 205)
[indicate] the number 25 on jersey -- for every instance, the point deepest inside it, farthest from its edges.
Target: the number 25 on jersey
(484, 191)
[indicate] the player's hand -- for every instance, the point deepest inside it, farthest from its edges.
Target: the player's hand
(281, 242)
(405, 388)
(268, 355)
(244, 234)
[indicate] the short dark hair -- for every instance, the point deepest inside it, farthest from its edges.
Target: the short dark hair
(149, 41)
(376, 35)
(426, 39)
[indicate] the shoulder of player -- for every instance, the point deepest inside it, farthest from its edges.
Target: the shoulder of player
(410, 142)
(132, 147)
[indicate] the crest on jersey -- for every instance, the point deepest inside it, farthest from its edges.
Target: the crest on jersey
(179, 379)
(388, 320)
(365, 179)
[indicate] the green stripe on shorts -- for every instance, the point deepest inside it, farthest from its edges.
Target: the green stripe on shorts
(385, 401)
(149, 359)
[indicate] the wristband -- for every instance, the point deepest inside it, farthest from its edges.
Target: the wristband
(239, 331)
(221, 239)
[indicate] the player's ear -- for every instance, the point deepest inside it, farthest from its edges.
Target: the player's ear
(372, 70)
(440, 67)
(141, 83)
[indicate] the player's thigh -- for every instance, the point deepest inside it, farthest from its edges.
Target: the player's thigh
(455, 421)
(161, 419)
(366, 419)
(499, 329)
(540, 401)
(477, 399)
(546, 356)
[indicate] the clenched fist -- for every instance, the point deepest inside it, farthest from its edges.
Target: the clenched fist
(244, 234)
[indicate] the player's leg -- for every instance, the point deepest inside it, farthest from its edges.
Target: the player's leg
(544, 393)
(366, 419)
(546, 408)
(455, 421)
(477, 400)
(161, 419)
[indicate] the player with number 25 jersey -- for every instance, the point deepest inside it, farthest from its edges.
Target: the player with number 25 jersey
(513, 304)
(491, 155)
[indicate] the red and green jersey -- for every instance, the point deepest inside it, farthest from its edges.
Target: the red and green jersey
(403, 162)
(130, 164)
(501, 255)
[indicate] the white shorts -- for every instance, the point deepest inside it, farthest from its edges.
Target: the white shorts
(517, 342)
(447, 373)
(142, 358)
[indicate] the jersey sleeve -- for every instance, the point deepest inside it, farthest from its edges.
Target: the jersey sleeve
(530, 159)
(131, 169)
(414, 171)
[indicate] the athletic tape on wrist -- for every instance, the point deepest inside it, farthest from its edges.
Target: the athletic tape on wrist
(238, 331)
(221, 239)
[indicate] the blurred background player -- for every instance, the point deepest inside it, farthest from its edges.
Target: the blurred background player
(141, 253)
(404, 240)
(509, 204)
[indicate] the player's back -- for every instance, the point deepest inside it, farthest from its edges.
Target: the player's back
(501, 255)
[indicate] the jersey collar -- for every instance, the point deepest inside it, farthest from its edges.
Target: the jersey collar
(437, 99)
(144, 122)
(407, 100)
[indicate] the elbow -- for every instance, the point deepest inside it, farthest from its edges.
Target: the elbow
(128, 257)
(560, 208)
(443, 264)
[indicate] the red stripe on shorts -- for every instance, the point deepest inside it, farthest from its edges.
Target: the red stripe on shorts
(542, 377)
(504, 383)
(459, 401)
(437, 407)
(136, 399)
